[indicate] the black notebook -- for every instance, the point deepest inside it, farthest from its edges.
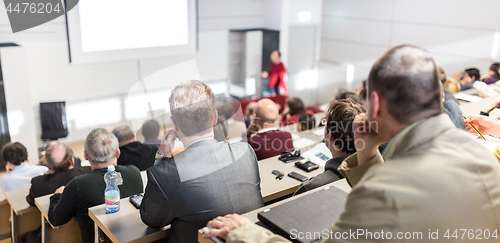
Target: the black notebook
(313, 214)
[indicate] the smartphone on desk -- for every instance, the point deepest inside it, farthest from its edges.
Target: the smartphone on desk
(136, 200)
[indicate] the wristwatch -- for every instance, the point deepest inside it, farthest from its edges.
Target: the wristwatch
(159, 156)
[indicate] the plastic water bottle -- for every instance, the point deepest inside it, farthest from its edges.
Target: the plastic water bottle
(112, 193)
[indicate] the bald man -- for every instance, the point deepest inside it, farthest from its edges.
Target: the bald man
(263, 134)
(60, 162)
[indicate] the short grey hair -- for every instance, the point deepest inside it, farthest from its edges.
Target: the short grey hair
(192, 107)
(101, 146)
(123, 133)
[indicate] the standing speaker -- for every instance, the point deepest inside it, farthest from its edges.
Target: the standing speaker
(53, 117)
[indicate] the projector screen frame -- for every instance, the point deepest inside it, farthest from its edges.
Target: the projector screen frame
(76, 56)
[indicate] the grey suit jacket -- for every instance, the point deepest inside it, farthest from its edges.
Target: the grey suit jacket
(207, 180)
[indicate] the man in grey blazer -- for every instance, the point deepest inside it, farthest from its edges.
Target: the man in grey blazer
(207, 179)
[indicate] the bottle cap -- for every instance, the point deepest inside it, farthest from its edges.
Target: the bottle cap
(111, 168)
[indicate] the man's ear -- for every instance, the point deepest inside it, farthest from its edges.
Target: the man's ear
(85, 156)
(174, 126)
(72, 161)
(376, 103)
(118, 154)
(216, 116)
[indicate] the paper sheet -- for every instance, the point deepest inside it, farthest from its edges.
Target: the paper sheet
(302, 143)
(319, 154)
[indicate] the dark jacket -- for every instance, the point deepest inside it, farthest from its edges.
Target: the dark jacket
(48, 184)
(86, 191)
(271, 143)
(330, 175)
(206, 180)
(138, 154)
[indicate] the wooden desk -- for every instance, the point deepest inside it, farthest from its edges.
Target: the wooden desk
(69, 232)
(125, 225)
(252, 215)
(4, 218)
(24, 217)
(272, 188)
(476, 107)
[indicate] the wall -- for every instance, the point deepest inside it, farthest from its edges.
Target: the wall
(458, 33)
(96, 93)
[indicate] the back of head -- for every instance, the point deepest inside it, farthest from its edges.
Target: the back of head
(123, 133)
(266, 111)
(59, 157)
(14, 153)
(473, 73)
(101, 147)
(442, 75)
(340, 123)
(296, 106)
(406, 78)
(192, 107)
(349, 95)
(308, 120)
(150, 129)
(495, 68)
(452, 86)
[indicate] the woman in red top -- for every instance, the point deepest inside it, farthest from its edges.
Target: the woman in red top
(276, 74)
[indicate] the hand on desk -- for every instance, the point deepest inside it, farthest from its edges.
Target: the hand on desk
(484, 124)
(222, 226)
(60, 190)
(495, 103)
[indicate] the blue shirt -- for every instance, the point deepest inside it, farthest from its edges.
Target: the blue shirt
(21, 176)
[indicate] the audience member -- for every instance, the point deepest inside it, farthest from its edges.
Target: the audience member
(452, 86)
(471, 75)
(458, 76)
(408, 189)
(263, 134)
(19, 172)
(306, 122)
(133, 152)
(492, 76)
(294, 107)
(208, 179)
(339, 139)
(225, 111)
(249, 113)
(150, 130)
(447, 94)
(276, 74)
(85, 191)
(60, 162)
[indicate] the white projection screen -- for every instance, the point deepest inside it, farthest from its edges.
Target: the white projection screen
(114, 30)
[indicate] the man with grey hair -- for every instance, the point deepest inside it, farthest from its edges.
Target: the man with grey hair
(85, 191)
(133, 152)
(208, 179)
(432, 180)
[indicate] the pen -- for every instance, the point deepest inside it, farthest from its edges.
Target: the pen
(475, 129)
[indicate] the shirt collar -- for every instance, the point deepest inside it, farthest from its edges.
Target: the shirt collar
(196, 141)
(267, 129)
(21, 166)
